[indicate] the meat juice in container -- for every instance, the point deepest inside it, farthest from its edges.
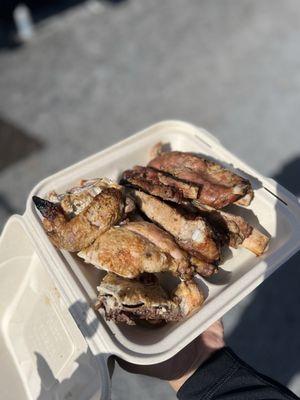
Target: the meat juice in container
(53, 344)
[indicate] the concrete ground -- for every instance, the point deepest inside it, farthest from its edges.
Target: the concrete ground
(98, 72)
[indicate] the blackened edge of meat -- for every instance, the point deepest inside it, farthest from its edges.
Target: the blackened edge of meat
(48, 209)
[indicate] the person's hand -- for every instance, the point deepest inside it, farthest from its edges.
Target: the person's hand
(179, 368)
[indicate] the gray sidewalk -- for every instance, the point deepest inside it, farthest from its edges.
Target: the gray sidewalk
(95, 74)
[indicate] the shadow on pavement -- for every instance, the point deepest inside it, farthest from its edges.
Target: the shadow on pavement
(267, 335)
(15, 143)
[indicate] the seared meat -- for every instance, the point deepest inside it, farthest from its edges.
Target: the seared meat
(164, 241)
(218, 186)
(129, 254)
(128, 300)
(104, 211)
(235, 229)
(193, 235)
(160, 184)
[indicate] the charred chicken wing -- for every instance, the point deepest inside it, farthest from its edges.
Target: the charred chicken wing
(104, 211)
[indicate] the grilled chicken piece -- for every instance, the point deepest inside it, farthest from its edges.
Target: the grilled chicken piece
(235, 229)
(219, 186)
(129, 254)
(189, 297)
(194, 235)
(76, 199)
(165, 242)
(160, 184)
(129, 300)
(104, 211)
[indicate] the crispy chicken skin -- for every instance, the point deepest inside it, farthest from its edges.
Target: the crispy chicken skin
(188, 265)
(164, 241)
(218, 186)
(193, 235)
(104, 211)
(129, 254)
(189, 297)
(129, 300)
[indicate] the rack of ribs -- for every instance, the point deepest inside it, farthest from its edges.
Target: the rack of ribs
(218, 186)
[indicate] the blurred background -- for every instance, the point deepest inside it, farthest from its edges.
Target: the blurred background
(77, 76)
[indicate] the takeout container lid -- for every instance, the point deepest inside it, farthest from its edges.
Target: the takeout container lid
(26, 252)
(44, 355)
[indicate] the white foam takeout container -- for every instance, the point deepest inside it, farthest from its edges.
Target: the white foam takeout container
(50, 334)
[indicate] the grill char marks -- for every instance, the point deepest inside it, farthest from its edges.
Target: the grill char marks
(218, 186)
(160, 184)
